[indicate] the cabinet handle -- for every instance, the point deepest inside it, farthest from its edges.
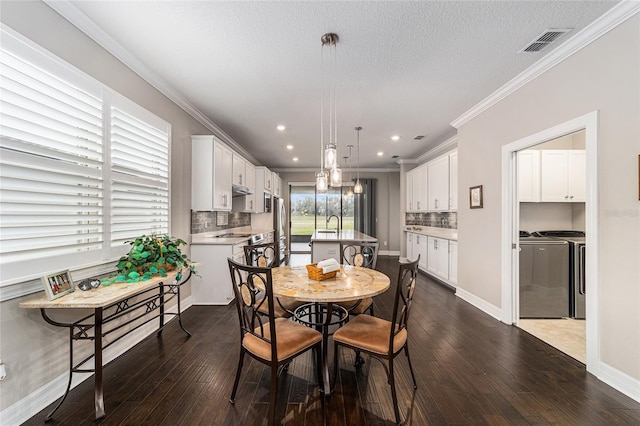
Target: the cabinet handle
(251, 204)
(418, 205)
(240, 178)
(566, 196)
(410, 205)
(571, 197)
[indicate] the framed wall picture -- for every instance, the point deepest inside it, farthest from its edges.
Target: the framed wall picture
(475, 197)
(58, 284)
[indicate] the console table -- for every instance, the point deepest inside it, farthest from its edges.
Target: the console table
(132, 304)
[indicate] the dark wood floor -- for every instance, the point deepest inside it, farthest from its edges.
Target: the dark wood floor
(470, 368)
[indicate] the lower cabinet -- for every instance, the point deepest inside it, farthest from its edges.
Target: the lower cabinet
(438, 257)
(453, 262)
(325, 250)
(212, 285)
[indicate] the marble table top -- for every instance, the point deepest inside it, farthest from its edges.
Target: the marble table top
(102, 296)
(350, 283)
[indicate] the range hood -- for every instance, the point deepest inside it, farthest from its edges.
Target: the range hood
(237, 190)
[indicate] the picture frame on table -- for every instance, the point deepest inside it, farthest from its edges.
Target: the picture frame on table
(58, 284)
(475, 197)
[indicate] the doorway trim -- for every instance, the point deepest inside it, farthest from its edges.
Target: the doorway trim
(510, 236)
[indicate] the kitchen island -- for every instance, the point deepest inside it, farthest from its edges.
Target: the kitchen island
(325, 243)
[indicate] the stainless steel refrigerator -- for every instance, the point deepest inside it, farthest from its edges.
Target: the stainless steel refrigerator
(280, 225)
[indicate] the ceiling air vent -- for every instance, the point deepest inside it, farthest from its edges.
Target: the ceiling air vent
(418, 137)
(546, 38)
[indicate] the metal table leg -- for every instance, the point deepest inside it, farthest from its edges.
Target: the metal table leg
(97, 352)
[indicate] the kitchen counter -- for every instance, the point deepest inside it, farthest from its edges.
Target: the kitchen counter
(343, 235)
(211, 238)
(446, 233)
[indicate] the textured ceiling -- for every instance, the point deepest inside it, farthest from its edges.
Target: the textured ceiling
(405, 68)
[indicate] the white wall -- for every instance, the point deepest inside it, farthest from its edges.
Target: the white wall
(35, 353)
(603, 76)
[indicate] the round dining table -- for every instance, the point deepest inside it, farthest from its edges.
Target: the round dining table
(351, 283)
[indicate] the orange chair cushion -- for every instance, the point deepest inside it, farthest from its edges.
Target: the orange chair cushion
(363, 306)
(292, 338)
(370, 334)
(278, 312)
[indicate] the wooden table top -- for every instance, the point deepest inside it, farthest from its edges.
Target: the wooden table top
(100, 297)
(350, 283)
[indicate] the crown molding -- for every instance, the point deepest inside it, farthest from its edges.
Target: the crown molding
(80, 20)
(447, 145)
(611, 19)
(311, 169)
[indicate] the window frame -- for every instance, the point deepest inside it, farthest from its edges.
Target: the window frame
(13, 286)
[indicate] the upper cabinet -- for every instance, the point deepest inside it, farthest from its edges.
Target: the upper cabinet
(552, 175)
(417, 189)
(264, 180)
(211, 165)
(239, 171)
(529, 175)
(563, 175)
(453, 181)
(438, 180)
(247, 203)
(433, 186)
(276, 183)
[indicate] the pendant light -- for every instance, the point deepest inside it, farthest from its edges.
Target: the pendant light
(357, 189)
(349, 193)
(330, 149)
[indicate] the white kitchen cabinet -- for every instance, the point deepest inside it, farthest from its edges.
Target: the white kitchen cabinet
(409, 191)
(562, 175)
(264, 180)
(211, 169)
(276, 184)
(239, 170)
(453, 181)
(247, 203)
(529, 176)
(409, 255)
(325, 250)
(438, 257)
(420, 248)
(417, 189)
(211, 286)
(453, 262)
(438, 184)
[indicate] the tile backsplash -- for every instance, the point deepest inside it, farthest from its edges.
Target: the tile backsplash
(447, 220)
(206, 221)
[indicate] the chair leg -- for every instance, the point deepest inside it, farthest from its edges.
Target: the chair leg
(359, 360)
(272, 394)
(394, 396)
(406, 352)
(235, 383)
(335, 361)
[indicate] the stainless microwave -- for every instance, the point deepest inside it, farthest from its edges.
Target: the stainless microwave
(267, 202)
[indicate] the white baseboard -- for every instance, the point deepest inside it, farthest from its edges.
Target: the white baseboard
(389, 253)
(479, 303)
(33, 403)
(619, 381)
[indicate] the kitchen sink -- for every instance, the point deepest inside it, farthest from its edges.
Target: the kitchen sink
(327, 231)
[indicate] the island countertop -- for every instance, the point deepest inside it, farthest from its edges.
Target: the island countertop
(320, 235)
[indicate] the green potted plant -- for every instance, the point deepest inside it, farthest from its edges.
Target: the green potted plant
(151, 255)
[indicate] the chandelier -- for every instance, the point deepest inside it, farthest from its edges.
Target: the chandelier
(330, 173)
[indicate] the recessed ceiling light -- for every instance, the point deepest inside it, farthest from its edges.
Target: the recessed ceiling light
(395, 138)
(380, 153)
(295, 158)
(289, 147)
(281, 127)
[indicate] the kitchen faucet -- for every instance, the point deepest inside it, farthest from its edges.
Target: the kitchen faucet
(337, 221)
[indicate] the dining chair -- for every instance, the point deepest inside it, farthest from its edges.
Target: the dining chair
(364, 254)
(266, 256)
(270, 340)
(380, 338)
